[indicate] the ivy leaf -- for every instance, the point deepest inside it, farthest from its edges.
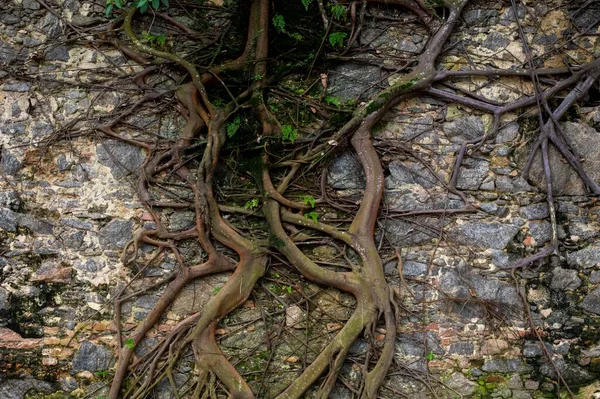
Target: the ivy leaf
(129, 342)
(155, 4)
(312, 216)
(332, 100)
(309, 200)
(279, 23)
(306, 4)
(289, 133)
(144, 7)
(338, 11)
(165, 3)
(234, 126)
(336, 39)
(109, 9)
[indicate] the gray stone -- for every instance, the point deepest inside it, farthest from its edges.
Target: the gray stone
(410, 268)
(122, 159)
(345, 173)
(463, 129)
(565, 279)
(31, 4)
(8, 220)
(91, 357)
(461, 348)
(77, 223)
(595, 277)
(514, 382)
(591, 302)
(90, 265)
(512, 185)
(460, 384)
(508, 133)
(182, 220)
(571, 372)
(541, 231)
(349, 81)
(50, 25)
(585, 141)
(41, 129)
(495, 41)
(472, 173)
(586, 257)
(503, 259)
(533, 349)
(57, 53)
(506, 366)
(405, 173)
(9, 164)
(115, 234)
(583, 230)
(4, 300)
(7, 53)
(34, 224)
(535, 211)
(20, 87)
(18, 388)
(482, 234)
(497, 291)
(404, 233)
(13, 129)
(480, 16)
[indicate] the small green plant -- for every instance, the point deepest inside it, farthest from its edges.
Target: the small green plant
(156, 40)
(312, 215)
(142, 5)
(332, 100)
(279, 23)
(101, 373)
(130, 343)
(216, 290)
(288, 288)
(257, 77)
(252, 204)
(430, 356)
(336, 39)
(234, 126)
(309, 200)
(306, 4)
(289, 133)
(339, 11)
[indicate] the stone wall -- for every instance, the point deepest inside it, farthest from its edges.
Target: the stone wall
(68, 208)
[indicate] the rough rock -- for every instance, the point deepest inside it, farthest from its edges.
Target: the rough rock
(116, 234)
(535, 211)
(572, 373)
(91, 357)
(472, 173)
(460, 384)
(464, 129)
(586, 257)
(565, 279)
(483, 234)
(122, 159)
(346, 173)
(18, 388)
(350, 81)
(591, 302)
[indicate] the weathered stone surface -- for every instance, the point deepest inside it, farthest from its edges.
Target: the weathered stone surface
(541, 231)
(9, 164)
(8, 220)
(295, 317)
(350, 81)
(572, 373)
(464, 129)
(403, 233)
(482, 234)
(411, 268)
(565, 279)
(91, 357)
(505, 366)
(122, 159)
(535, 211)
(345, 173)
(472, 173)
(565, 181)
(460, 384)
(18, 388)
(495, 41)
(591, 302)
(586, 257)
(116, 234)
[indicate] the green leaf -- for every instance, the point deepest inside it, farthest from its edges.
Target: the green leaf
(155, 4)
(332, 100)
(234, 126)
(289, 133)
(129, 342)
(143, 8)
(338, 11)
(312, 216)
(336, 39)
(165, 3)
(306, 3)
(109, 9)
(279, 23)
(252, 204)
(309, 200)
(119, 3)
(430, 356)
